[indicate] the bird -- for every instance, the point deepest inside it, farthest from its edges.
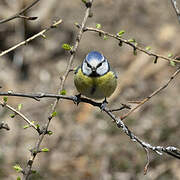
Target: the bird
(94, 78)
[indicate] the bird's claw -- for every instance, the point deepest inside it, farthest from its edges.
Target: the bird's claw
(77, 99)
(104, 104)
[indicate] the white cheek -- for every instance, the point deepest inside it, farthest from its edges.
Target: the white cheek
(103, 69)
(86, 70)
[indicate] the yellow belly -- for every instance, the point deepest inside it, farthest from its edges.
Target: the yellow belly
(95, 87)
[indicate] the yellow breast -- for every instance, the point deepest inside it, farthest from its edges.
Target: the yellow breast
(95, 87)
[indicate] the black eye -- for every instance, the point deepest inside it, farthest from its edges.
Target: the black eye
(88, 65)
(100, 64)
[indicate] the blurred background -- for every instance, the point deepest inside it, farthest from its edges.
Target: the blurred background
(85, 144)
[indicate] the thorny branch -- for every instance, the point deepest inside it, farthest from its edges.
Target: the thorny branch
(173, 151)
(20, 14)
(174, 4)
(41, 33)
(128, 42)
(28, 169)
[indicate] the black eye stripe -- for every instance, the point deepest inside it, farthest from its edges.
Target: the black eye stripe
(88, 65)
(100, 63)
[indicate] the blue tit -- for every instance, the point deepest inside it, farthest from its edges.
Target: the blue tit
(94, 78)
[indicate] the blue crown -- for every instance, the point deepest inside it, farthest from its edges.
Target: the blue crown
(94, 55)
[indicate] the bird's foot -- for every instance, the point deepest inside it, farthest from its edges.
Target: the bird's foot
(104, 104)
(77, 99)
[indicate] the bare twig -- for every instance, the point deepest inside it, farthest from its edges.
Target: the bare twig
(20, 114)
(153, 94)
(28, 168)
(41, 33)
(128, 42)
(124, 106)
(148, 161)
(176, 9)
(19, 14)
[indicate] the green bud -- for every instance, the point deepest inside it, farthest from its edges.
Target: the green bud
(19, 107)
(5, 98)
(105, 37)
(132, 40)
(63, 92)
(45, 150)
(148, 48)
(26, 126)
(120, 33)
(172, 63)
(170, 55)
(54, 114)
(67, 47)
(98, 26)
(12, 115)
(17, 168)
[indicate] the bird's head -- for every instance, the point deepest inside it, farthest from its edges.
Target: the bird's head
(95, 64)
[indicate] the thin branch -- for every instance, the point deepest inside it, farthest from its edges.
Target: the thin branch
(20, 114)
(133, 45)
(148, 161)
(176, 9)
(173, 151)
(28, 169)
(18, 15)
(170, 150)
(124, 106)
(41, 33)
(153, 94)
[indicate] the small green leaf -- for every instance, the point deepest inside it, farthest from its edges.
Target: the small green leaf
(38, 126)
(105, 37)
(26, 126)
(18, 178)
(19, 107)
(120, 33)
(98, 26)
(132, 40)
(45, 150)
(135, 43)
(172, 63)
(148, 48)
(49, 133)
(54, 114)
(170, 55)
(67, 47)
(5, 98)
(17, 168)
(12, 115)
(63, 92)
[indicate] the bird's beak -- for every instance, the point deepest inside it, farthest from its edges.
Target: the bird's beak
(93, 69)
